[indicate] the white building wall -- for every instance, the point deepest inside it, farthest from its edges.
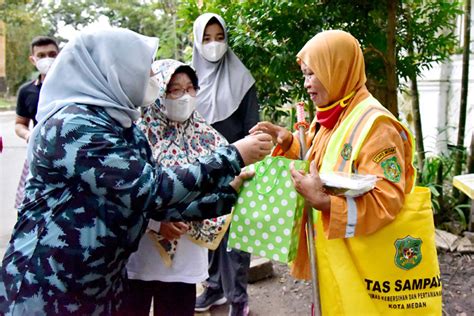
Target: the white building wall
(432, 93)
(454, 101)
(440, 96)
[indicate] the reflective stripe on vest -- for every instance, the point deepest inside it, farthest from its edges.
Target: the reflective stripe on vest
(352, 133)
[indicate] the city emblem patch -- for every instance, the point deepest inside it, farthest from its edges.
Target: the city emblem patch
(346, 151)
(392, 169)
(408, 252)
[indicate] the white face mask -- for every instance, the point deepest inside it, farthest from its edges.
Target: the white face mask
(213, 51)
(151, 92)
(179, 110)
(44, 64)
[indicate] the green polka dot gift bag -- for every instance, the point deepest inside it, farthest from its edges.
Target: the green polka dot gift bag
(268, 211)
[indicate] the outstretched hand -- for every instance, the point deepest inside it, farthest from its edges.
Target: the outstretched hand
(238, 180)
(280, 135)
(310, 186)
(254, 148)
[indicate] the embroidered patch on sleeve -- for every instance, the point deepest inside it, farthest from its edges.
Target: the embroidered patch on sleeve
(384, 153)
(392, 169)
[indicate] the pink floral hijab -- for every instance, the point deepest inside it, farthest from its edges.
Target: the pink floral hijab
(175, 143)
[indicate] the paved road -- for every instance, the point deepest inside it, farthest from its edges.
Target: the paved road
(11, 163)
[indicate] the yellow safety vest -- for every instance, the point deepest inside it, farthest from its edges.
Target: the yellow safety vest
(394, 271)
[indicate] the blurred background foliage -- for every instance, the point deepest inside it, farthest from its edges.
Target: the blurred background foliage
(265, 34)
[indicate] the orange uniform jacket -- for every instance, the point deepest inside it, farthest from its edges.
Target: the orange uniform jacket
(380, 206)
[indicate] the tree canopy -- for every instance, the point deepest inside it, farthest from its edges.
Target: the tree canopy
(265, 34)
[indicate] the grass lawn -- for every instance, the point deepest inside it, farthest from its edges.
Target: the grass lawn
(7, 104)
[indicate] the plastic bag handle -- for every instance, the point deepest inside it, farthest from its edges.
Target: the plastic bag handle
(259, 175)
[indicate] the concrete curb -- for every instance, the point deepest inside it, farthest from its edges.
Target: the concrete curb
(260, 268)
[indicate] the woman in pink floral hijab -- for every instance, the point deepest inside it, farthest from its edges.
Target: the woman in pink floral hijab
(172, 257)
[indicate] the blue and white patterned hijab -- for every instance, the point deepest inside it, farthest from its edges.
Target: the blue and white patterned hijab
(108, 68)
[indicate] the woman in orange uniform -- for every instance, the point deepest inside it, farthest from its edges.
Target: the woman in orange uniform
(375, 252)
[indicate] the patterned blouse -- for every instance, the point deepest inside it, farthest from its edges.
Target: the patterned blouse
(92, 188)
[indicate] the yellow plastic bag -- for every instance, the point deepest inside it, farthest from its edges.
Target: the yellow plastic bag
(404, 280)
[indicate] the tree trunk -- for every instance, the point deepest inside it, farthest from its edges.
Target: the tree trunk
(415, 100)
(392, 104)
(415, 105)
(439, 182)
(464, 90)
(470, 164)
(471, 170)
(3, 55)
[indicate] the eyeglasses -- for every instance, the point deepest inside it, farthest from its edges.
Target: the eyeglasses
(178, 93)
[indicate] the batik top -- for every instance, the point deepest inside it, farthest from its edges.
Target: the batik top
(175, 143)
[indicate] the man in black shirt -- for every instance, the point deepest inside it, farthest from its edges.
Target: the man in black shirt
(43, 51)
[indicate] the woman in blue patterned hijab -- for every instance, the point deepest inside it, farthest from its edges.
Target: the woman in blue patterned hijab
(93, 183)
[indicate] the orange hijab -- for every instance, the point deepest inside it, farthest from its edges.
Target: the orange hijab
(335, 57)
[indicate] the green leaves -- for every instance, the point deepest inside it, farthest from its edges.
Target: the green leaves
(22, 22)
(427, 27)
(267, 34)
(437, 175)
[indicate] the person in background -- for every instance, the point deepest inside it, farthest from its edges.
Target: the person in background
(227, 99)
(43, 51)
(94, 183)
(171, 258)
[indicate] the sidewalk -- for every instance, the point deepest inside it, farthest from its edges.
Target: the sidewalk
(11, 163)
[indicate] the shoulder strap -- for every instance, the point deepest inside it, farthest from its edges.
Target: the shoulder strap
(337, 139)
(346, 142)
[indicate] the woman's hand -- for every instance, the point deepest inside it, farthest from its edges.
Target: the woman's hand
(279, 134)
(173, 230)
(254, 148)
(310, 187)
(244, 175)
